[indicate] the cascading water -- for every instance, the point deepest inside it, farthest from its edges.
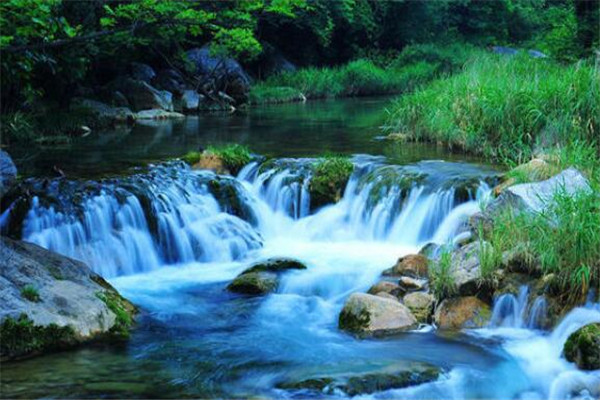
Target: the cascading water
(512, 311)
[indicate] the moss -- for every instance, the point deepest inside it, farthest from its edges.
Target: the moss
(275, 265)
(583, 347)
(122, 309)
(254, 283)
(329, 180)
(372, 383)
(31, 293)
(234, 156)
(21, 337)
(350, 322)
(318, 384)
(192, 157)
(230, 199)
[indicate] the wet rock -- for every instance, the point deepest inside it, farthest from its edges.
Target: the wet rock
(386, 296)
(414, 265)
(211, 162)
(532, 171)
(535, 196)
(158, 114)
(462, 313)
(142, 96)
(420, 304)
(361, 384)
(368, 315)
(328, 182)
(8, 172)
(49, 302)
(254, 283)
(466, 268)
(389, 287)
(263, 277)
(171, 81)
(190, 100)
(408, 284)
(583, 347)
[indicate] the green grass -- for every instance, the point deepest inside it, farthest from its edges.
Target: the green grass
(504, 107)
(30, 293)
(414, 66)
(234, 156)
(124, 321)
(440, 275)
(564, 240)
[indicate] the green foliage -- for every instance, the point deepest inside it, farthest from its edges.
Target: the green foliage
(440, 275)
(122, 311)
(264, 94)
(192, 157)
(30, 293)
(329, 179)
(503, 107)
(21, 337)
(234, 156)
(564, 240)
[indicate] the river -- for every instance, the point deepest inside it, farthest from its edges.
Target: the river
(159, 234)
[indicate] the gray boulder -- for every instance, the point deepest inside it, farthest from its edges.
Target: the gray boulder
(171, 81)
(103, 112)
(142, 72)
(462, 313)
(263, 277)
(49, 301)
(420, 304)
(190, 100)
(368, 315)
(465, 270)
(537, 195)
(142, 96)
(8, 172)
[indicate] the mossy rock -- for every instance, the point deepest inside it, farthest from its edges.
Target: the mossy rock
(276, 265)
(329, 180)
(583, 347)
(254, 283)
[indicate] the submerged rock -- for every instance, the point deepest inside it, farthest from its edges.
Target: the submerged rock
(263, 277)
(359, 384)
(462, 313)
(8, 172)
(583, 347)
(368, 315)
(49, 302)
(414, 265)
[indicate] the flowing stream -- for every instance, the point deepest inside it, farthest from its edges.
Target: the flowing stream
(170, 239)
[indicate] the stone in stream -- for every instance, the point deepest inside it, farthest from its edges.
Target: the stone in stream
(414, 265)
(408, 284)
(420, 304)
(50, 302)
(359, 384)
(462, 313)
(263, 277)
(367, 315)
(583, 347)
(465, 269)
(388, 287)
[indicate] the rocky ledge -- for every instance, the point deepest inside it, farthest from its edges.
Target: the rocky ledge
(50, 302)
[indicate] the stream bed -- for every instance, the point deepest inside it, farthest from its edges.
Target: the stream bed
(159, 233)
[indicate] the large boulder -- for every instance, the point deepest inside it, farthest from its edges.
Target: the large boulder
(535, 196)
(368, 315)
(420, 304)
(220, 74)
(583, 347)
(189, 101)
(465, 269)
(171, 81)
(414, 265)
(142, 72)
(462, 313)
(388, 287)
(263, 277)
(142, 96)
(535, 170)
(48, 302)
(103, 112)
(8, 172)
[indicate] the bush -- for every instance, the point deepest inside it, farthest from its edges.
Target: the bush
(30, 293)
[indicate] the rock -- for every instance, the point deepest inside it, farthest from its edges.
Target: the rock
(142, 72)
(536, 54)
(535, 196)
(103, 112)
(386, 296)
(8, 172)
(388, 287)
(394, 377)
(220, 74)
(263, 277)
(118, 99)
(254, 283)
(420, 304)
(465, 268)
(190, 100)
(583, 347)
(158, 114)
(171, 81)
(409, 284)
(414, 265)
(430, 250)
(276, 265)
(142, 96)
(274, 63)
(535, 170)
(211, 162)
(368, 315)
(48, 302)
(462, 313)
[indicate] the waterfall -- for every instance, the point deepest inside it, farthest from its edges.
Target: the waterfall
(512, 311)
(171, 214)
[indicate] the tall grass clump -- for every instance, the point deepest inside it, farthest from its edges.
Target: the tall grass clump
(503, 107)
(440, 275)
(563, 240)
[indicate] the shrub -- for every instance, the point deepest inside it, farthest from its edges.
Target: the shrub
(30, 293)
